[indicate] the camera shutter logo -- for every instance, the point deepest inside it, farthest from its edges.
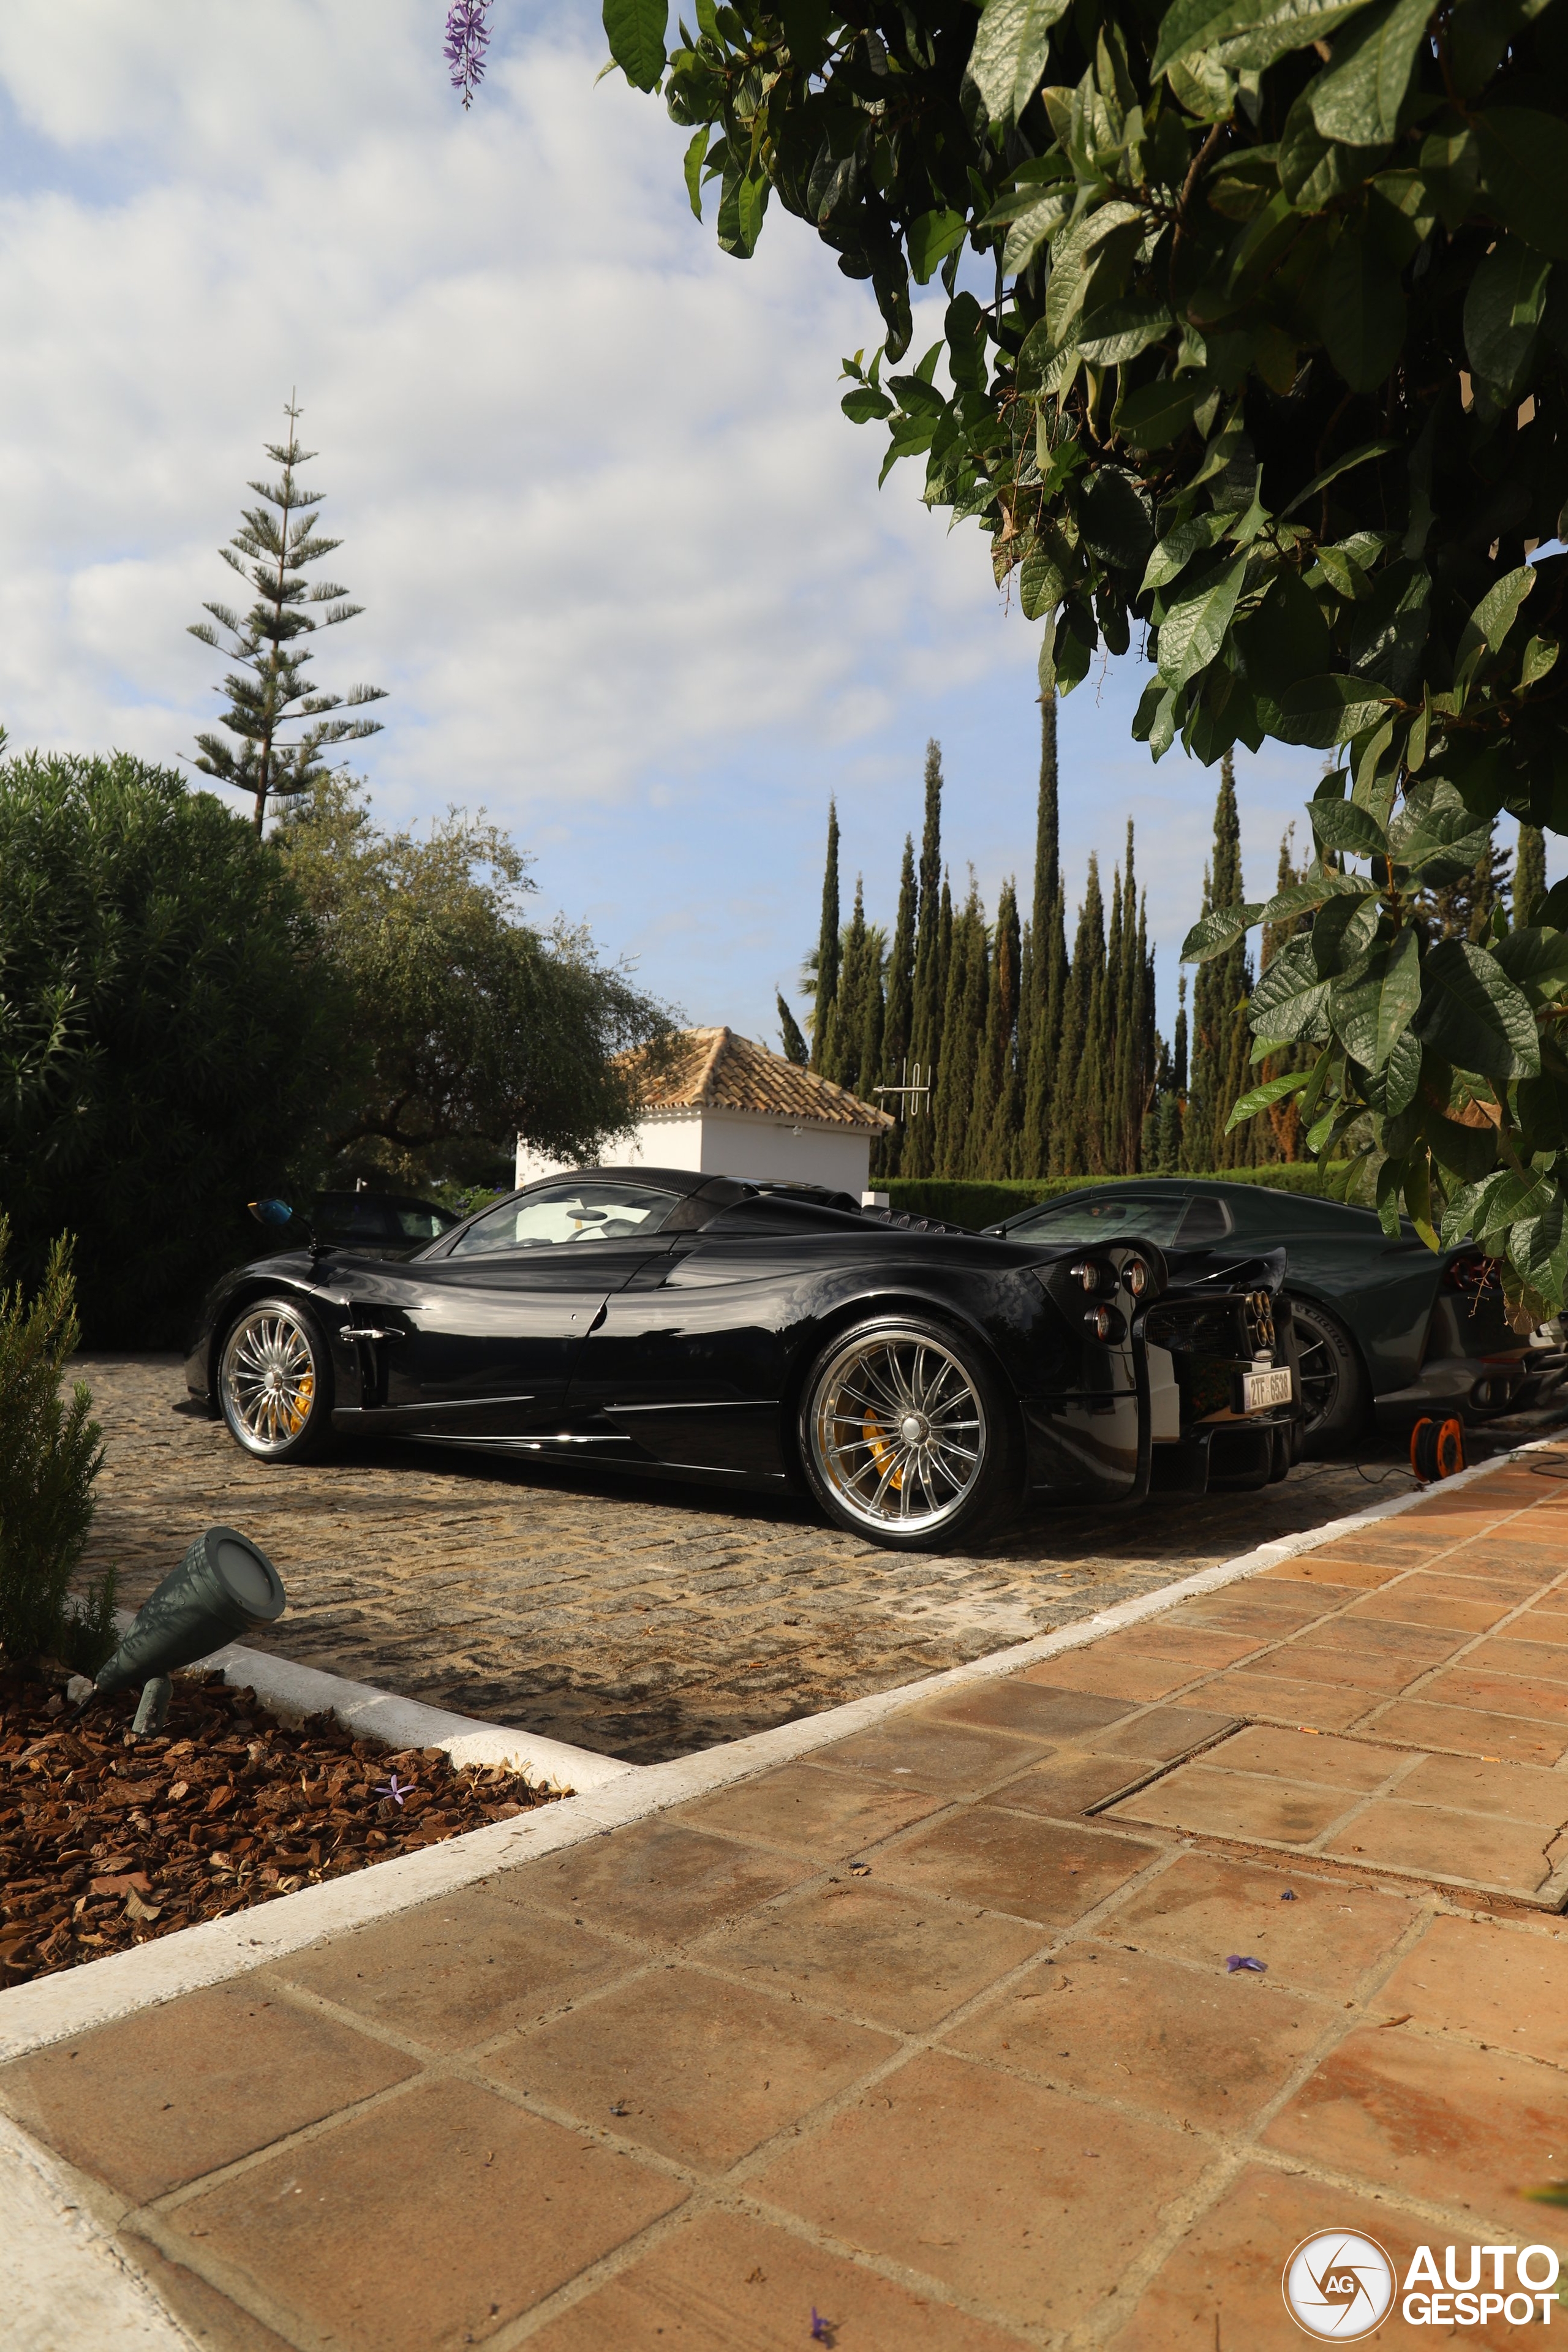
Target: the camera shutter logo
(1338, 2286)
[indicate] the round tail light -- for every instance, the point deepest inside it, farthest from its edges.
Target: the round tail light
(1088, 1275)
(1100, 1322)
(1136, 1277)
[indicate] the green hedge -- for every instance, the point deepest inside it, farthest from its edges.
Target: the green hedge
(977, 1204)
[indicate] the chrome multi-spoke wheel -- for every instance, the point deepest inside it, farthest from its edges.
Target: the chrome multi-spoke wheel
(270, 1380)
(896, 1431)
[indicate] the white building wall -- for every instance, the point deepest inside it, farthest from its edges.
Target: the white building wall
(730, 1144)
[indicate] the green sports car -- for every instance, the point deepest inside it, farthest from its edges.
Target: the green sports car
(1384, 1329)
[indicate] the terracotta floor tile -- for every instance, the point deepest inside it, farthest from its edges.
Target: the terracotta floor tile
(732, 2284)
(1012, 1702)
(1206, 1907)
(657, 1879)
(1509, 1740)
(1499, 1694)
(1306, 1756)
(174, 2091)
(1222, 2283)
(1515, 1652)
(1203, 1650)
(1320, 1705)
(1364, 1656)
(1208, 1803)
(956, 1758)
(216, 2324)
(1032, 1869)
(1543, 1621)
(1067, 1783)
(1466, 1606)
(460, 1970)
(1099, 1667)
(370, 2243)
(1339, 1579)
(1207, 2049)
(1445, 1844)
(1499, 1985)
(824, 1815)
(872, 1951)
(1161, 1734)
(1481, 1564)
(703, 2069)
(1039, 2231)
(1428, 2117)
(1253, 1603)
(1519, 1792)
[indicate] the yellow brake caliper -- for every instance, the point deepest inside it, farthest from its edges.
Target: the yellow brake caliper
(300, 1412)
(881, 1453)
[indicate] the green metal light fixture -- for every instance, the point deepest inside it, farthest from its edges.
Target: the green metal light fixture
(224, 1587)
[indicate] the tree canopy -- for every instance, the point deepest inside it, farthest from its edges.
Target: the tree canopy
(1254, 340)
(170, 1034)
(473, 1025)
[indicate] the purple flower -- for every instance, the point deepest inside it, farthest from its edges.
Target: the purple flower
(1245, 1960)
(821, 2329)
(467, 38)
(394, 1788)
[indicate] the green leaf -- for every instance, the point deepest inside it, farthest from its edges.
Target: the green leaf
(1390, 1182)
(1372, 1014)
(1043, 574)
(1341, 825)
(1437, 827)
(1368, 450)
(1360, 309)
(1343, 935)
(1538, 1248)
(1118, 331)
(635, 30)
(1504, 305)
(1115, 519)
(1473, 1015)
(1214, 932)
(1179, 546)
(1255, 32)
(1317, 890)
(1153, 415)
(1358, 96)
(694, 155)
(1535, 959)
(1012, 41)
(1272, 1090)
(1314, 170)
(1326, 711)
(931, 240)
(1493, 617)
(1193, 628)
(1290, 1001)
(1401, 1075)
(1524, 169)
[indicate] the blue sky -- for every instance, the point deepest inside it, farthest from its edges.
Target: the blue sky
(627, 571)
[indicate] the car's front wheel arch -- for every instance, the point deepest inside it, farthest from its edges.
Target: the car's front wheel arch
(844, 1317)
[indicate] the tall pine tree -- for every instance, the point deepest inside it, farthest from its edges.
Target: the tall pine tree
(900, 996)
(1529, 871)
(1220, 1039)
(1071, 1090)
(1042, 1006)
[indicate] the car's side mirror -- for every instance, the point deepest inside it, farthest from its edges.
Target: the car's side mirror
(271, 1213)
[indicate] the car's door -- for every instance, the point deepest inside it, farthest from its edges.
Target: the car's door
(487, 1331)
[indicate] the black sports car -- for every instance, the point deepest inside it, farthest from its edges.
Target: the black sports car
(1382, 1326)
(924, 1382)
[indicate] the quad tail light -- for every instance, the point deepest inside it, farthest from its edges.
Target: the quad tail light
(1091, 1275)
(1103, 1323)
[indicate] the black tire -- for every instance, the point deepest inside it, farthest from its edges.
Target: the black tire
(1334, 1387)
(904, 1406)
(275, 1382)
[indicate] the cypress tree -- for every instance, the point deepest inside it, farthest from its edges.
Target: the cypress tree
(841, 1051)
(899, 1013)
(1529, 871)
(962, 1027)
(792, 1043)
(1083, 991)
(1041, 1007)
(826, 960)
(918, 1158)
(1220, 991)
(869, 1045)
(995, 1144)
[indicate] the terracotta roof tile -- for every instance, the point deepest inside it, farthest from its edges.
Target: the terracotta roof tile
(714, 1068)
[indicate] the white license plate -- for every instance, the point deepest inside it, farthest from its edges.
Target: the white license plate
(1261, 1390)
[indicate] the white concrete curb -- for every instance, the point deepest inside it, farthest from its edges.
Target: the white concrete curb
(62, 2279)
(55, 2007)
(292, 1690)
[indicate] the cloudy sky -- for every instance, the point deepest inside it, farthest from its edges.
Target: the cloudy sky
(627, 571)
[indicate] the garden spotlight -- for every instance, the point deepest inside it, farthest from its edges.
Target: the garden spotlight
(223, 1588)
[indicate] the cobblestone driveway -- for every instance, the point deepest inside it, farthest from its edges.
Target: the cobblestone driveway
(640, 1619)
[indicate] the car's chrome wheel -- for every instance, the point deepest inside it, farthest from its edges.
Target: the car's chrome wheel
(898, 1432)
(270, 1380)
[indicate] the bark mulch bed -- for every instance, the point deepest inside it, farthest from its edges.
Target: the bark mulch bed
(106, 1841)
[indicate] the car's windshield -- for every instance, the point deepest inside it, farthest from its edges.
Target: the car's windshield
(1155, 1219)
(591, 1210)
